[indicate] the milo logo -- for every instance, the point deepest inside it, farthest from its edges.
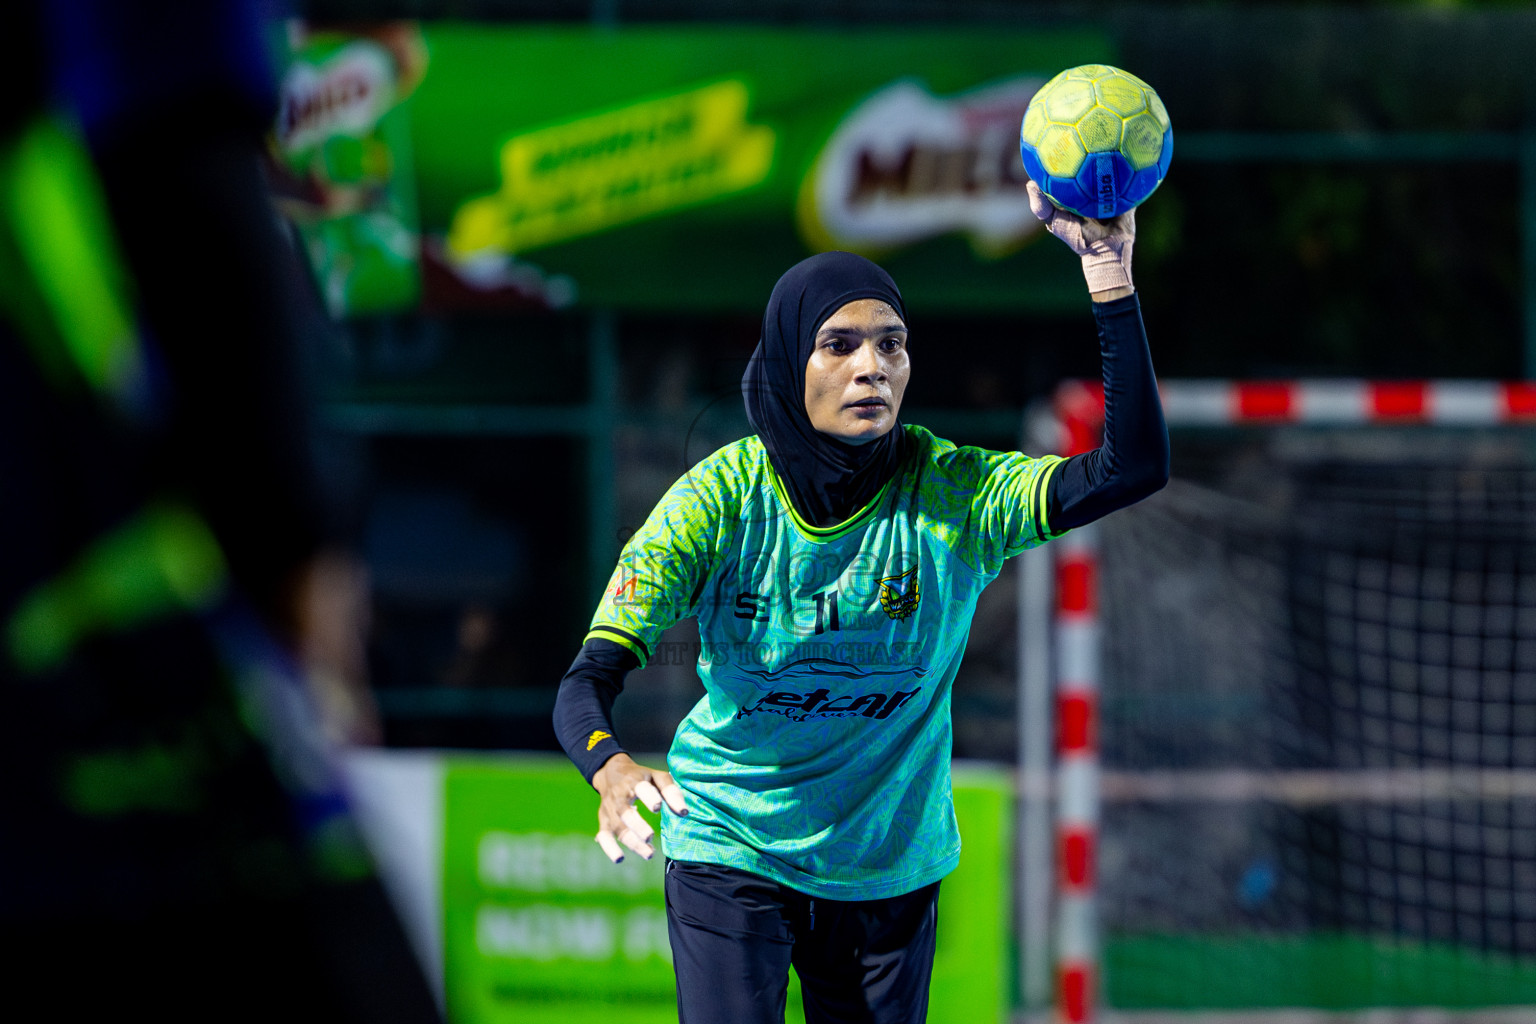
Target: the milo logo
(906, 165)
(344, 95)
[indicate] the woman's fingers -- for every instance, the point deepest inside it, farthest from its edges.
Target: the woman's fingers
(620, 822)
(662, 790)
(610, 845)
(672, 793)
(646, 793)
(631, 830)
(637, 834)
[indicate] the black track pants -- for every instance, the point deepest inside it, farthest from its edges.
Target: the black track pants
(735, 935)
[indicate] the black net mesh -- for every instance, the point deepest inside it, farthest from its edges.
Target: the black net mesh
(1319, 690)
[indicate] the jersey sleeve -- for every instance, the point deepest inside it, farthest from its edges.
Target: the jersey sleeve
(1009, 507)
(662, 569)
(987, 505)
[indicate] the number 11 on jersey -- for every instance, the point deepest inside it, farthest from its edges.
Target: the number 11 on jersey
(826, 611)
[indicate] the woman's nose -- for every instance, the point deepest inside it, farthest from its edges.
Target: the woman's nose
(867, 363)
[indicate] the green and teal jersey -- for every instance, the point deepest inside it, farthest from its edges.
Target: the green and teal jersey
(819, 754)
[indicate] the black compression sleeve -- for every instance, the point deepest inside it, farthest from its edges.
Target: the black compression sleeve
(1132, 461)
(584, 705)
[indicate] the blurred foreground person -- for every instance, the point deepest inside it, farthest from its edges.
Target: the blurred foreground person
(176, 837)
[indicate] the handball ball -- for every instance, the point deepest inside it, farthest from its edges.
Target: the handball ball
(1096, 140)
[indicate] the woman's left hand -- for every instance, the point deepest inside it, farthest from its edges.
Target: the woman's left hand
(621, 783)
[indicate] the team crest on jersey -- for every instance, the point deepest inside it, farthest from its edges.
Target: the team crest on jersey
(899, 594)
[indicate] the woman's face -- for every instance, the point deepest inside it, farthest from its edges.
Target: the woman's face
(857, 372)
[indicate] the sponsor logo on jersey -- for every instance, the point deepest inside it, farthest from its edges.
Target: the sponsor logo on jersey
(821, 703)
(752, 606)
(624, 591)
(899, 594)
(875, 667)
(597, 737)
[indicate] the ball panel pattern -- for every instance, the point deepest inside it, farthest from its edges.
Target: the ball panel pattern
(1121, 94)
(1142, 140)
(1061, 151)
(1069, 100)
(1100, 130)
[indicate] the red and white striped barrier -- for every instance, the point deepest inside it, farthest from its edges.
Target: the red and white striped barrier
(1348, 402)
(1079, 414)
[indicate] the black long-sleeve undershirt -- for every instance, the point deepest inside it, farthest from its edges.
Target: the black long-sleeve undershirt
(1131, 462)
(584, 705)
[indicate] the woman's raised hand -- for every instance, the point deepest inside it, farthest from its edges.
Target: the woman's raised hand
(1103, 245)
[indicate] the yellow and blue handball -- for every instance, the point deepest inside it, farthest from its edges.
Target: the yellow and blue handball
(1096, 140)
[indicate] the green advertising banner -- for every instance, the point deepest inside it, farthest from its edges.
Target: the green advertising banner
(342, 165)
(688, 167)
(539, 928)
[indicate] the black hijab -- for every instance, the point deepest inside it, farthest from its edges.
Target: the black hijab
(828, 480)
